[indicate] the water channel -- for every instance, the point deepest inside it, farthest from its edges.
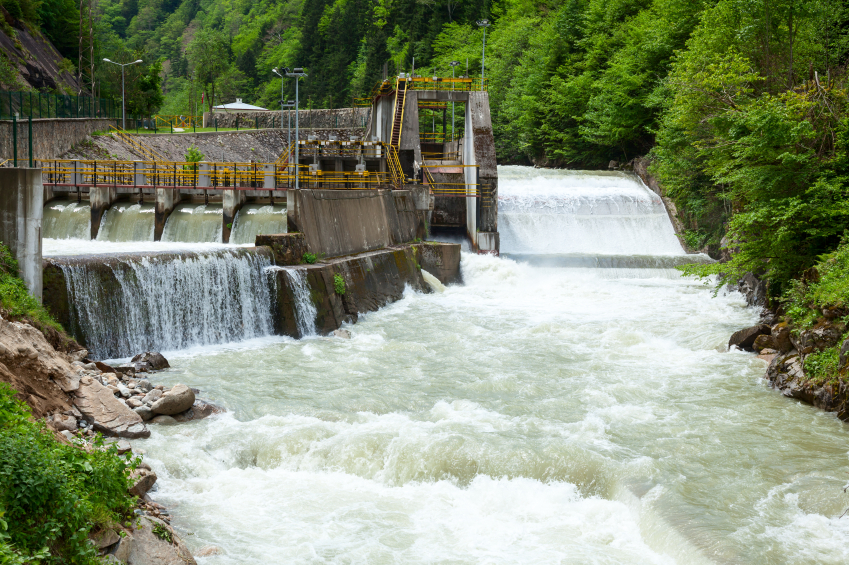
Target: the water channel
(572, 402)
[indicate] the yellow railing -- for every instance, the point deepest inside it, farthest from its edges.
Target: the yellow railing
(395, 167)
(136, 145)
(182, 122)
(432, 137)
(208, 175)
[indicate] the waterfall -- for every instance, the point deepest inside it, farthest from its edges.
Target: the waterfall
(65, 219)
(122, 305)
(128, 222)
(305, 311)
(194, 223)
(255, 219)
(581, 213)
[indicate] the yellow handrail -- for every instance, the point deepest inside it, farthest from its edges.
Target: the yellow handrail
(147, 152)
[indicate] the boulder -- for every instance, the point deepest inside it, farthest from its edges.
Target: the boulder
(745, 338)
(127, 369)
(154, 359)
(179, 399)
(144, 385)
(764, 342)
(144, 547)
(152, 396)
(105, 538)
(344, 334)
(143, 480)
(752, 288)
(822, 336)
(109, 415)
(781, 333)
(199, 410)
(163, 420)
(63, 422)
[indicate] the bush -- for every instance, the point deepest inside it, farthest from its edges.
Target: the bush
(52, 495)
(826, 285)
(309, 258)
(16, 300)
(821, 366)
(339, 284)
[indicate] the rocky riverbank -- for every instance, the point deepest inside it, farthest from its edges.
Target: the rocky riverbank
(79, 400)
(791, 351)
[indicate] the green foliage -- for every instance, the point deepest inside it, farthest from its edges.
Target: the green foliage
(163, 533)
(339, 284)
(16, 300)
(821, 366)
(309, 258)
(826, 285)
(53, 494)
(193, 155)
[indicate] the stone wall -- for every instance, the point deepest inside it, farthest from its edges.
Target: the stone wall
(21, 211)
(50, 137)
(341, 118)
(441, 260)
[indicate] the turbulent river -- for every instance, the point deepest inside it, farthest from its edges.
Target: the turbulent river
(571, 402)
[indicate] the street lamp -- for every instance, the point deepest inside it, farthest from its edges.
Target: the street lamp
(484, 24)
(453, 64)
(296, 73)
(123, 105)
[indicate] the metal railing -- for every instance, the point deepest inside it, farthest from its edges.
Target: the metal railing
(45, 105)
(78, 174)
(136, 145)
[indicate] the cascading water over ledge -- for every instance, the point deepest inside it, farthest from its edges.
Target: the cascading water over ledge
(119, 305)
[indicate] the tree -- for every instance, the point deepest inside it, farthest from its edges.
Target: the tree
(209, 55)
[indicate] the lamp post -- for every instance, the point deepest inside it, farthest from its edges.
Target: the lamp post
(453, 64)
(123, 104)
(296, 73)
(484, 24)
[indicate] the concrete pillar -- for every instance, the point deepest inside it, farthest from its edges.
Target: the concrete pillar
(268, 176)
(166, 200)
(101, 198)
(233, 201)
(21, 210)
(293, 212)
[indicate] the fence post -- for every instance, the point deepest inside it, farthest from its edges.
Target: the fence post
(29, 137)
(256, 122)
(15, 138)
(216, 123)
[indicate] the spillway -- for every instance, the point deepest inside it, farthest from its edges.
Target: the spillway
(554, 408)
(194, 223)
(66, 219)
(128, 222)
(122, 304)
(258, 219)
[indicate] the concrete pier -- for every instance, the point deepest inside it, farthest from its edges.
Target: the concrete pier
(21, 212)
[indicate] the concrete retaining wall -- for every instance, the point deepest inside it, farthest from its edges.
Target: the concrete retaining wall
(21, 212)
(50, 137)
(344, 222)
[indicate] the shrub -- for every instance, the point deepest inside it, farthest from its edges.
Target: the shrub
(309, 258)
(52, 495)
(821, 366)
(826, 285)
(16, 300)
(339, 284)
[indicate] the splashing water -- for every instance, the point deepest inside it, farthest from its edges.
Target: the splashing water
(305, 311)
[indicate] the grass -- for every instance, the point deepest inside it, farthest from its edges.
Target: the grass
(821, 366)
(15, 299)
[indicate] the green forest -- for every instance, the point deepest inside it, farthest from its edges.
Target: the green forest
(740, 104)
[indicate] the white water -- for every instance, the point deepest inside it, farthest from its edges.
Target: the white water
(255, 219)
(65, 219)
(305, 311)
(70, 247)
(168, 301)
(539, 413)
(194, 223)
(128, 222)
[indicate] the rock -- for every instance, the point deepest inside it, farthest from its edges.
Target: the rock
(143, 465)
(745, 338)
(781, 333)
(209, 550)
(764, 341)
(143, 480)
(179, 399)
(126, 369)
(69, 382)
(62, 422)
(164, 420)
(134, 402)
(103, 367)
(144, 547)
(122, 445)
(144, 385)
(90, 367)
(153, 358)
(144, 412)
(344, 334)
(105, 538)
(152, 396)
(78, 355)
(199, 410)
(832, 313)
(124, 391)
(109, 415)
(111, 378)
(844, 355)
(131, 385)
(753, 289)
(67, 435)
(613, 165)
(822, 336)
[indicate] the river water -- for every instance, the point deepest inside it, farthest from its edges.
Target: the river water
(542, 412)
